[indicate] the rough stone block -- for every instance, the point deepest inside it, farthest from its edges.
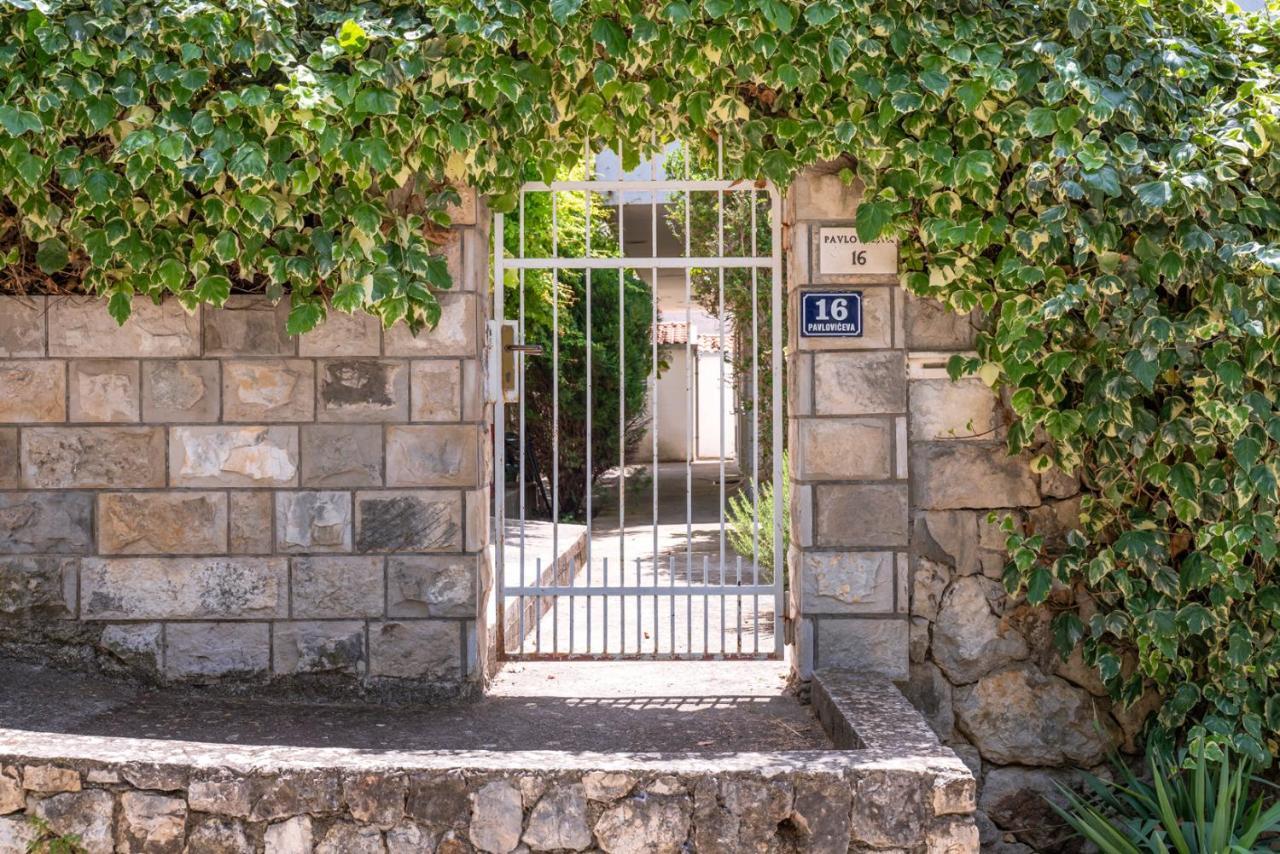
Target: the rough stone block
(221, 793)
(46, 522)
(931, 325)
(364, 390)
(33, 392)
(436, 390)
(376, 797)
(871, 515)
(155, 824)
(8, 458)
(93, 457)
(12, 796)
(969, 475)
(80, 327)
(136, 645)
(848, 582)
(877, 321)
(337, 587)
(50, 779)
(234, 456)
(433, 455)
(313, 521)
(845, 449)
(248, 325)
(294, 836)
(344, 335)
(341, 455)
(181, 391)
(869, 645)
(86, 814)
(250, 523)
(43, 586)
(183, 588)
(265, 390)
(859, 383)
(421, 649)
(216, 649)
(943, 409)
(162, 523)
(408, 521)
(104, 390)
(222, 835)
(21, 327)
(431, 585)
(329, 646)
(457, 333)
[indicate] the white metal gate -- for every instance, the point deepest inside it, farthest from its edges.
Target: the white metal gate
(635, 585)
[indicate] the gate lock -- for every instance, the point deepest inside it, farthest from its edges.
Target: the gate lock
(503, 374)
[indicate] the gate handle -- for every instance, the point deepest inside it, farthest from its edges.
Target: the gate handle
(529, 349)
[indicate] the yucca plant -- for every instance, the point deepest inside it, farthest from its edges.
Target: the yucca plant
(1200, 805)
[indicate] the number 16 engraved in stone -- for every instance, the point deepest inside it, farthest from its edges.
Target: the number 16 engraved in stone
(859, 257)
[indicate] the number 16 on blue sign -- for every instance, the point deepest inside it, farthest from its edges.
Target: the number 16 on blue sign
(831, 315)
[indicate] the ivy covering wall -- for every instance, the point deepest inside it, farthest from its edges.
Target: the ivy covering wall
(1098, 176)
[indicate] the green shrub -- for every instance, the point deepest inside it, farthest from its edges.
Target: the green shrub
(745, 536)
(1201, 805)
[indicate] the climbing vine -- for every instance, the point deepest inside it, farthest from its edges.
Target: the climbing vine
(1097, 177)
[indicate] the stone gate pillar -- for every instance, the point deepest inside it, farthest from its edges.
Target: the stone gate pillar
(847, 422)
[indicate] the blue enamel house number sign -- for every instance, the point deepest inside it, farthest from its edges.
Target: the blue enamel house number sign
(828, 314)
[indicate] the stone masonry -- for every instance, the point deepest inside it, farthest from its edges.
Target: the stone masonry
(901, 477)
(203, 497)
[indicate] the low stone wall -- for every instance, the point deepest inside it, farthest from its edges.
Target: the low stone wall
(901, 792)
(201, 497)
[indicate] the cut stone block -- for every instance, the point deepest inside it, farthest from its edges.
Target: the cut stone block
(216, 649)
(140, 645)
(408, 521)
(80, 327)
(457, 333)
(969, 475)
(181, 391)
(8, 458)
(234, 456)
(431, 585)
(421, 649)
(251, 518)
(848, 582)
(265, 390)
(868, 645)
(865, 515)
(46, 522)
(337, 587)
(859, 383)
(942, 409)
(22, 327)
(436, 390)
(41, 586)
(331, 646)
(931, 325)
(463, 213)
(152, 588)
(93, 457)
(823, 195)
(33, 391)
(342, 334)
(313, 521)
(341, 455)
(433, 455)
(364, 390)
(248, 325)
(104, 390)
(162, 523)
(845, 449)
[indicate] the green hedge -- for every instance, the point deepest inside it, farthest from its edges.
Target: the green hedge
(1099, 176)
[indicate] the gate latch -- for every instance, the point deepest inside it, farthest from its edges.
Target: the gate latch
(502, 375)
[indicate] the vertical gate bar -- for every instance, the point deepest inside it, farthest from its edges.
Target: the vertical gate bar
(499, 434)
(586, 160)
(520, 368)
(706, 606)
(737, 627)
(689, 404)
(755, 428)
(639, 611)
(671, 582)
(720, 307)
(775, 251)
(555, 423)
(653, 394)
(622, 400)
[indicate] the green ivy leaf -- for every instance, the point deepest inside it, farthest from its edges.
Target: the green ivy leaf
(1155, 194)
(871, 219)
(304, 316)
(51, 255)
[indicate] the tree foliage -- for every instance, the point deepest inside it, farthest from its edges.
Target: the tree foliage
(1098, 176)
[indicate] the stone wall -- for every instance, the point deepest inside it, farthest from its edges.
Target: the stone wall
(203, 497)
(897, 470)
